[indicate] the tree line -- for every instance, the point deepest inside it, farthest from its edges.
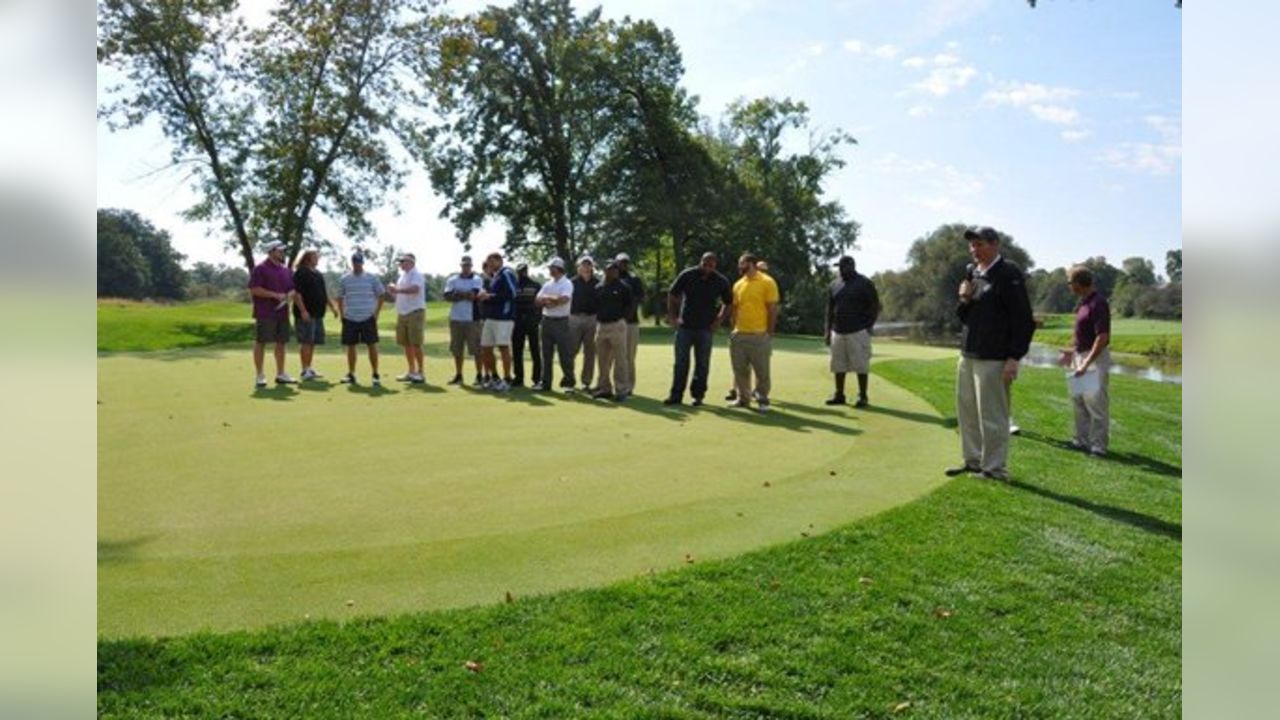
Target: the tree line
(574, 131)
(924, 292)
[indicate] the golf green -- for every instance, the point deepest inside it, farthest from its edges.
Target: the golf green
(223, 508)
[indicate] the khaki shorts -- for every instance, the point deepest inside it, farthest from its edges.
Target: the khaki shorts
(496, 333)
(851, 352)
(409, 328)
(464, 335)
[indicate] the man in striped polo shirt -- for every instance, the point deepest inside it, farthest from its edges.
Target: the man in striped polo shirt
(360, 297)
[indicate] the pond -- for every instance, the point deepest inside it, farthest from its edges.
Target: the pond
(1041, 355)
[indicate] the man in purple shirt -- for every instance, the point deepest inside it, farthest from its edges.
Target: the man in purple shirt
(1090, 353)
(271, 285)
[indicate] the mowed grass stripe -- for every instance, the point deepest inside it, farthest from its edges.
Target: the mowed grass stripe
(222, 508)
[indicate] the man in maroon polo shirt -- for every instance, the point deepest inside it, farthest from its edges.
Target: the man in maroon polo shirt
(271, 285)
(1090, 353)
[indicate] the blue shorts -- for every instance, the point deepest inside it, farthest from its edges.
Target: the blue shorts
(310, 332)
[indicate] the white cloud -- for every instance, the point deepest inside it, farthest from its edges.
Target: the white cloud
(853, 46)
(914, 61)
(1075, 135)
(945, 60)
(943, 81)
(802, 60)
(919, 111)
(1056, 114)
(885, 52)
(816, 49)
(1160, 158)
(944, 179)
(1023, 94)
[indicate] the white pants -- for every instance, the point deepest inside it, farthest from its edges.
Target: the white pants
(982, 409)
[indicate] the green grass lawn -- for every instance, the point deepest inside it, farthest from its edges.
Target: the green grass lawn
(1057, 595)
(1138, 336)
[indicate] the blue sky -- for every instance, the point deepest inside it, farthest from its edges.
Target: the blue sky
(1060, 125)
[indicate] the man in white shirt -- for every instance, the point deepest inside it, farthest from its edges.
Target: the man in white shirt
(554, 298)
(461, 291)
(410, 295)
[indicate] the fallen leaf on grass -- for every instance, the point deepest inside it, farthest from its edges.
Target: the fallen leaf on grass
(351, 603)
(901, 706)
(804, 534)
(768, 484)
(510, 597)
(473, 666)
(688, 558)
(832, 473)
(865, 580)
(942, 613)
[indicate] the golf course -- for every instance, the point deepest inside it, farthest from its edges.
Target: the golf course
(327, 550)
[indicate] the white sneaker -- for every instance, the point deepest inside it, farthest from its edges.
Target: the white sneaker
(260, 382)
(406, 377)
(501, 386)
(417, 379)
(285, 379)
(377, 380)
(307, 374)
(349, 379)
(315, 375)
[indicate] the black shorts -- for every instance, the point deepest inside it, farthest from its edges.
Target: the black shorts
(355, 332)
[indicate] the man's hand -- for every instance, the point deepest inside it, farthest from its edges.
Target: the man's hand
(482, 295)
(1010, 372)
(1080, 371)
(966, 291)
(306, 316)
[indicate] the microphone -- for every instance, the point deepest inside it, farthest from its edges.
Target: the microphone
(968, 271)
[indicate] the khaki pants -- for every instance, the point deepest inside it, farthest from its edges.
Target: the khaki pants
(633, 343)
(982, 408)
(611, 351)
(582, 336)
(1093, 411)
(750, 352)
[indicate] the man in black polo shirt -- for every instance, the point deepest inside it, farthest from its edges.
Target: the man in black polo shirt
(613, 297)
(691, 310)
(852, 308)
(582, 319)
(998, 325)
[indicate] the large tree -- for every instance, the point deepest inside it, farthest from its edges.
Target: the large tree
(525, 94)
(277, 122)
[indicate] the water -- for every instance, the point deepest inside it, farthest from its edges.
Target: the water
(1041, 355)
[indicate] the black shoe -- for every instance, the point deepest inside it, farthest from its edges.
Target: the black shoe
(862, 402)
(601, 395)
(697, 402)
(479, 380)
(836, 399)
(960, 470)
(1001, 475)
(621, 397)
(542, 387)
(457, 380)
(673, 401)
(731, 396)
(567, 384)
(516, 383)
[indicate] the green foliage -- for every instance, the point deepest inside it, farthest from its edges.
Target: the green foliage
(1049, 291)
(1173, 265)
(206, 280)
(275, 123)
(926, 291)
(135, 260)
(1139, 271)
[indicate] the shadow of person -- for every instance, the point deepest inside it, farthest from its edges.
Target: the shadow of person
(274, 392)
(1139, 462)
(946, 422)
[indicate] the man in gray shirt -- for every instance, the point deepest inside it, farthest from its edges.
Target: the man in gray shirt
(461, 291)
(360, 297)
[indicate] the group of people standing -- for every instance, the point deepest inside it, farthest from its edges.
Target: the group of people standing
(597, 319)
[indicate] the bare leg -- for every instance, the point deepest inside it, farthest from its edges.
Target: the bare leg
(279, 358)
(259, 352)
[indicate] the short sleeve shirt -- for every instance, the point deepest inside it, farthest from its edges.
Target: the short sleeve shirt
(463, 310)
(556, 289)
(276, 278)
(1093, 317)
(751, 297)
(359, 295)
(699, 294)
(408, 303)
(854, 304)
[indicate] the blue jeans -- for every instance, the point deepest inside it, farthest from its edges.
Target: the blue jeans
(700, 342)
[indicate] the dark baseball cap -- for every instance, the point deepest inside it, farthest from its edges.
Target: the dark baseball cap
(986, 234)
(844, 260)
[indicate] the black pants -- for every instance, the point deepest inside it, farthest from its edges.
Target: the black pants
(526, 330)
(699, 341)
(555, 339)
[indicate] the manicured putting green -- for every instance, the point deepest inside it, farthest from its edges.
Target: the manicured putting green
(223, 508)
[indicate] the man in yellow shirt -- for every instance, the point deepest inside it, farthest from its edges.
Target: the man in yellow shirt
(755, 317)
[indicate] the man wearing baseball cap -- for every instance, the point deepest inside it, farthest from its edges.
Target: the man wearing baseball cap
(360, 296)
(527, 321)
(852, 308)
(633, 314)
(998, 325)
(461, 291)
(271, 286)
(554, 299)
(410, 294)
(613, 298)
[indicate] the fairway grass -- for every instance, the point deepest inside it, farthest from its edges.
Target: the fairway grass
(224, 508)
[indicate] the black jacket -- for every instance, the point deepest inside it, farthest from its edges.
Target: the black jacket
(997, 322)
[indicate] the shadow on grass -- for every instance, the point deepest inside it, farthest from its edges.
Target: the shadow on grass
(111, 552)
(1139, 462)
(779, 417)
(279, 393)
(948, 422)
(1133, 518)
(371, 390)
